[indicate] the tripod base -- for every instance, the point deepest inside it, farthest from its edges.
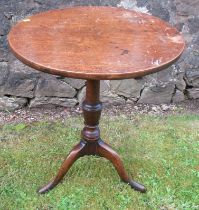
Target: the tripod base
(91, 143)
(99, 148)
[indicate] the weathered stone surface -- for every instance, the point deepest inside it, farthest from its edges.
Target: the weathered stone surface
(4, 73)
(193, 78)
(4, 25)
(10, 104)
(187, 8)
(63, 3)
(129, 88)
(192, 64)
(104, 87)
(193, 23)
(105, 95)
(81, 95)
(193, 93)
(3, 48)
(178, 97)
(17, 79)
(21, 80)
(157, 94)
(173, 74)
(132, 4)
(50, 86)
(110, 98)
(75, 83)
(180, 82)
(160, 9)
(17, 66)
(19, 84)
(52, 101)
(187, 18)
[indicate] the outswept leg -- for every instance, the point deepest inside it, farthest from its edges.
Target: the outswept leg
(76, 152)
(104, 150)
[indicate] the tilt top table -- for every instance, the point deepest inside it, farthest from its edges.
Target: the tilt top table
(95, 43)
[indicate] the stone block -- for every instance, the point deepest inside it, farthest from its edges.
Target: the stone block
(187, 7)
(19, 84)
(105, 95)
(192, 64)
(104, 87)
(81, 95)
(178, 97)
(157, 94)
(52, 101)
(3, 49)
(109, 98)
(133, 5)
(4, 73)
(16, 66)
(52, 87)
(75, 83)
(20, 81)
(4, 25)
(11, 104)
(193, 93)
(129, 88)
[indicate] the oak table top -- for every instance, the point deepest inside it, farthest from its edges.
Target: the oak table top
(96, 43)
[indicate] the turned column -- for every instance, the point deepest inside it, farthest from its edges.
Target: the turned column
(92, 108)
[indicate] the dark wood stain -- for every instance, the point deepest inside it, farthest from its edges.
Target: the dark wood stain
(124, 52)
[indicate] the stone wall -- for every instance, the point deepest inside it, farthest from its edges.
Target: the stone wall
(22, 86)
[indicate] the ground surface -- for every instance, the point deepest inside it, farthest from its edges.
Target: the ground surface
(60, 113)
(159, 151)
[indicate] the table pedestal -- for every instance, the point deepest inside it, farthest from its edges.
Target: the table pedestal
(91, 143)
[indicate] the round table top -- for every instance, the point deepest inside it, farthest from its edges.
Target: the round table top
(96, 43)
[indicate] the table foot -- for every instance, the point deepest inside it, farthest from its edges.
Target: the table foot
(104, 150)
(75, 153)
(137, 186)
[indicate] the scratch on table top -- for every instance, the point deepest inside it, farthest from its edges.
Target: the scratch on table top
(176, 39)
(26, 20)
(156, 62)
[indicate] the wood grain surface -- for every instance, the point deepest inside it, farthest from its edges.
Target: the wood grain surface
(95, 43)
